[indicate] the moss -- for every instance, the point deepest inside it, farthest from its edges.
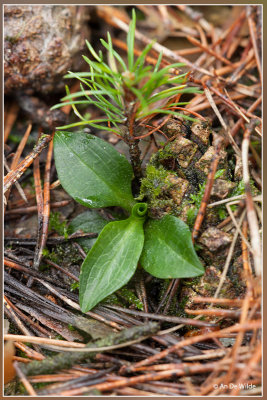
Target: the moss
(156, 190)
(130, 297)
(113, 299)
(154, 183)
(240, 189)
(57, 225)
(182, 305)
(74, 286)
(192, 281)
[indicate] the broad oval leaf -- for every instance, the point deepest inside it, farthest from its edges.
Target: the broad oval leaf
(92, 171)
(168, 250)
(112, 261)
(89, 222)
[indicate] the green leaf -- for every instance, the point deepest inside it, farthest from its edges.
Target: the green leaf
(88, 222)
(92, 171)
(130, 41)
(113, 259)
(168, 250)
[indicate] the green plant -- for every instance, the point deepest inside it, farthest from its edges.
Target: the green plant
(96, 175)
(127, 94)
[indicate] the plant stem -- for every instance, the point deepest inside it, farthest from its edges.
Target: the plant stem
(134, 150)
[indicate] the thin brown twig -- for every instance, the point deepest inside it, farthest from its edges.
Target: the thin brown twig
(46, 208)
(209, 50)
(254, 324)
(252, 31)
(243, 374)
(32, 209)
(251, 213)
(12, 114)
(15, 174)
(19, 152)
(208, 188)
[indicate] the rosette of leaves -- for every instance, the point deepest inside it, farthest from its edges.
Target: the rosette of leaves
(125, 91)
(96, 175)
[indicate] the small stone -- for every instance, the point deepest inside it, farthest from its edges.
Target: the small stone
(215, 239)
(204, 163)
(173, 127)
(183, 150)
(200, 132)
(221, 189)
(42, 43)
(179, 188)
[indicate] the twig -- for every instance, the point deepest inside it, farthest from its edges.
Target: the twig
(39, 202)
(252, 364)
(17, 157)
(240, 335)
(209, 51)
(41, 340)
(46, 209)
(19, 188)
(251, 213)
(30, 271)
(15, 174)
(208, 188)
(173, 291)
(61, 361)
(252, 31)
(255, 324)
(32, 209)
(12, 114)
(24, 380)
(215, 109)
(229, 256)
(160, 317)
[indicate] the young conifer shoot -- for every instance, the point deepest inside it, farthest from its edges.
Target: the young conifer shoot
(96, 175)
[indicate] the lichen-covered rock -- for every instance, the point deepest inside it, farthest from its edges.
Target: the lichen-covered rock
(40, 45)
(200, 133)
(204, 163)
(163, 190)
(173, 127)
(215, 239)
(221, 189)
(215, 246)
(183, 150)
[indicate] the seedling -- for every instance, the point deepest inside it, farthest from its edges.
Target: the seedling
(96, 175)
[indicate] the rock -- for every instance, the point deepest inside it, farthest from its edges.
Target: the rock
(200, 133)
(215, 239)
(204, 163)
(173, 127)
(215, 246)
(221, 189)
(40, 45)
(183, 150)
(179, 188)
